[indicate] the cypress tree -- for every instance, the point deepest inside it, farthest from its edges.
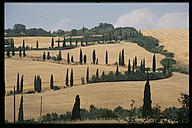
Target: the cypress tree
(64, 42)
(87, 75)
(85, 59)
(38, 84)
(147, 109)
(154, 63)
(81, 57)
(133, 68)
(35, 83)
(143, 65)
(44, 56)
(123, 60)
(23, 44)
(51, 82)
(71, 79)
(76, 109)
(120, 34)
(97, 73)
(97, 61)
(58, 42)
(72, 59)
(37, 44)
(20, 54)
(120, 59)
(52, 43)
(117, 70)
(129, 68)
(67, 79)
(76, 43)
(106, 57)
(94, 56)
(21, 114)
(24, 53)
(70, 41)
(86, 41)
(59, 57)
(68, 58)
(135, 60)
(17, 82)
(13, 47)
(21, 89)
(48, 55)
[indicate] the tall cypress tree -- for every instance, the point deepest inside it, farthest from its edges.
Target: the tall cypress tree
(147, 109)
(97, 61)
(123, 60)
(76, 43)
(58, 42)
(20, 54)
(21, 114)
(52, 42)
(51, 82)
(48, 55)
(97, 73)
(85, 59)
(117, 71)
(87, 75)
(68, 58)
(13, 47)
(81, 57)
(67, 79)
(143, 65)
(24, 53)
(71, 78)
(106, 57)
(76, 109)
(38, 84)
(129, 68)
(133, 68)
(8, 53)
(70, 41)
(72, 59)
(64, 42)
(35, 83)
(44, 56)
(17, 82)
(135, 60)
(120, 59)
(37, 44)
(23, 44)
(94, 56)
(22, 79)
(154, 63)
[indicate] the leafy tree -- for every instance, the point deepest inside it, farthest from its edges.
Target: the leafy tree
(21, 114)
(71, 78)
(87, 75)
(21, 89)
(106, 57)
(68, 58)
(168, 62)
(184, 100)
(37, 44)
(81, 57)
(76, 109)
(123, 59)
(72, 59)
(44, 56)
(154, 63)
(67, 79)
(85, 59)
(94, 57)
(51, 82)
(97, 73)
(146, 110)
(52, 43)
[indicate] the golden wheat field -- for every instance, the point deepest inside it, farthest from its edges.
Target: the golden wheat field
(174, 40)
(105, 95)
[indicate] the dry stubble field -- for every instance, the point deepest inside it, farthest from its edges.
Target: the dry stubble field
(109, 95)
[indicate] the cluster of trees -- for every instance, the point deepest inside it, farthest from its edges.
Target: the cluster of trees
(67, 82)
(134, 73)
